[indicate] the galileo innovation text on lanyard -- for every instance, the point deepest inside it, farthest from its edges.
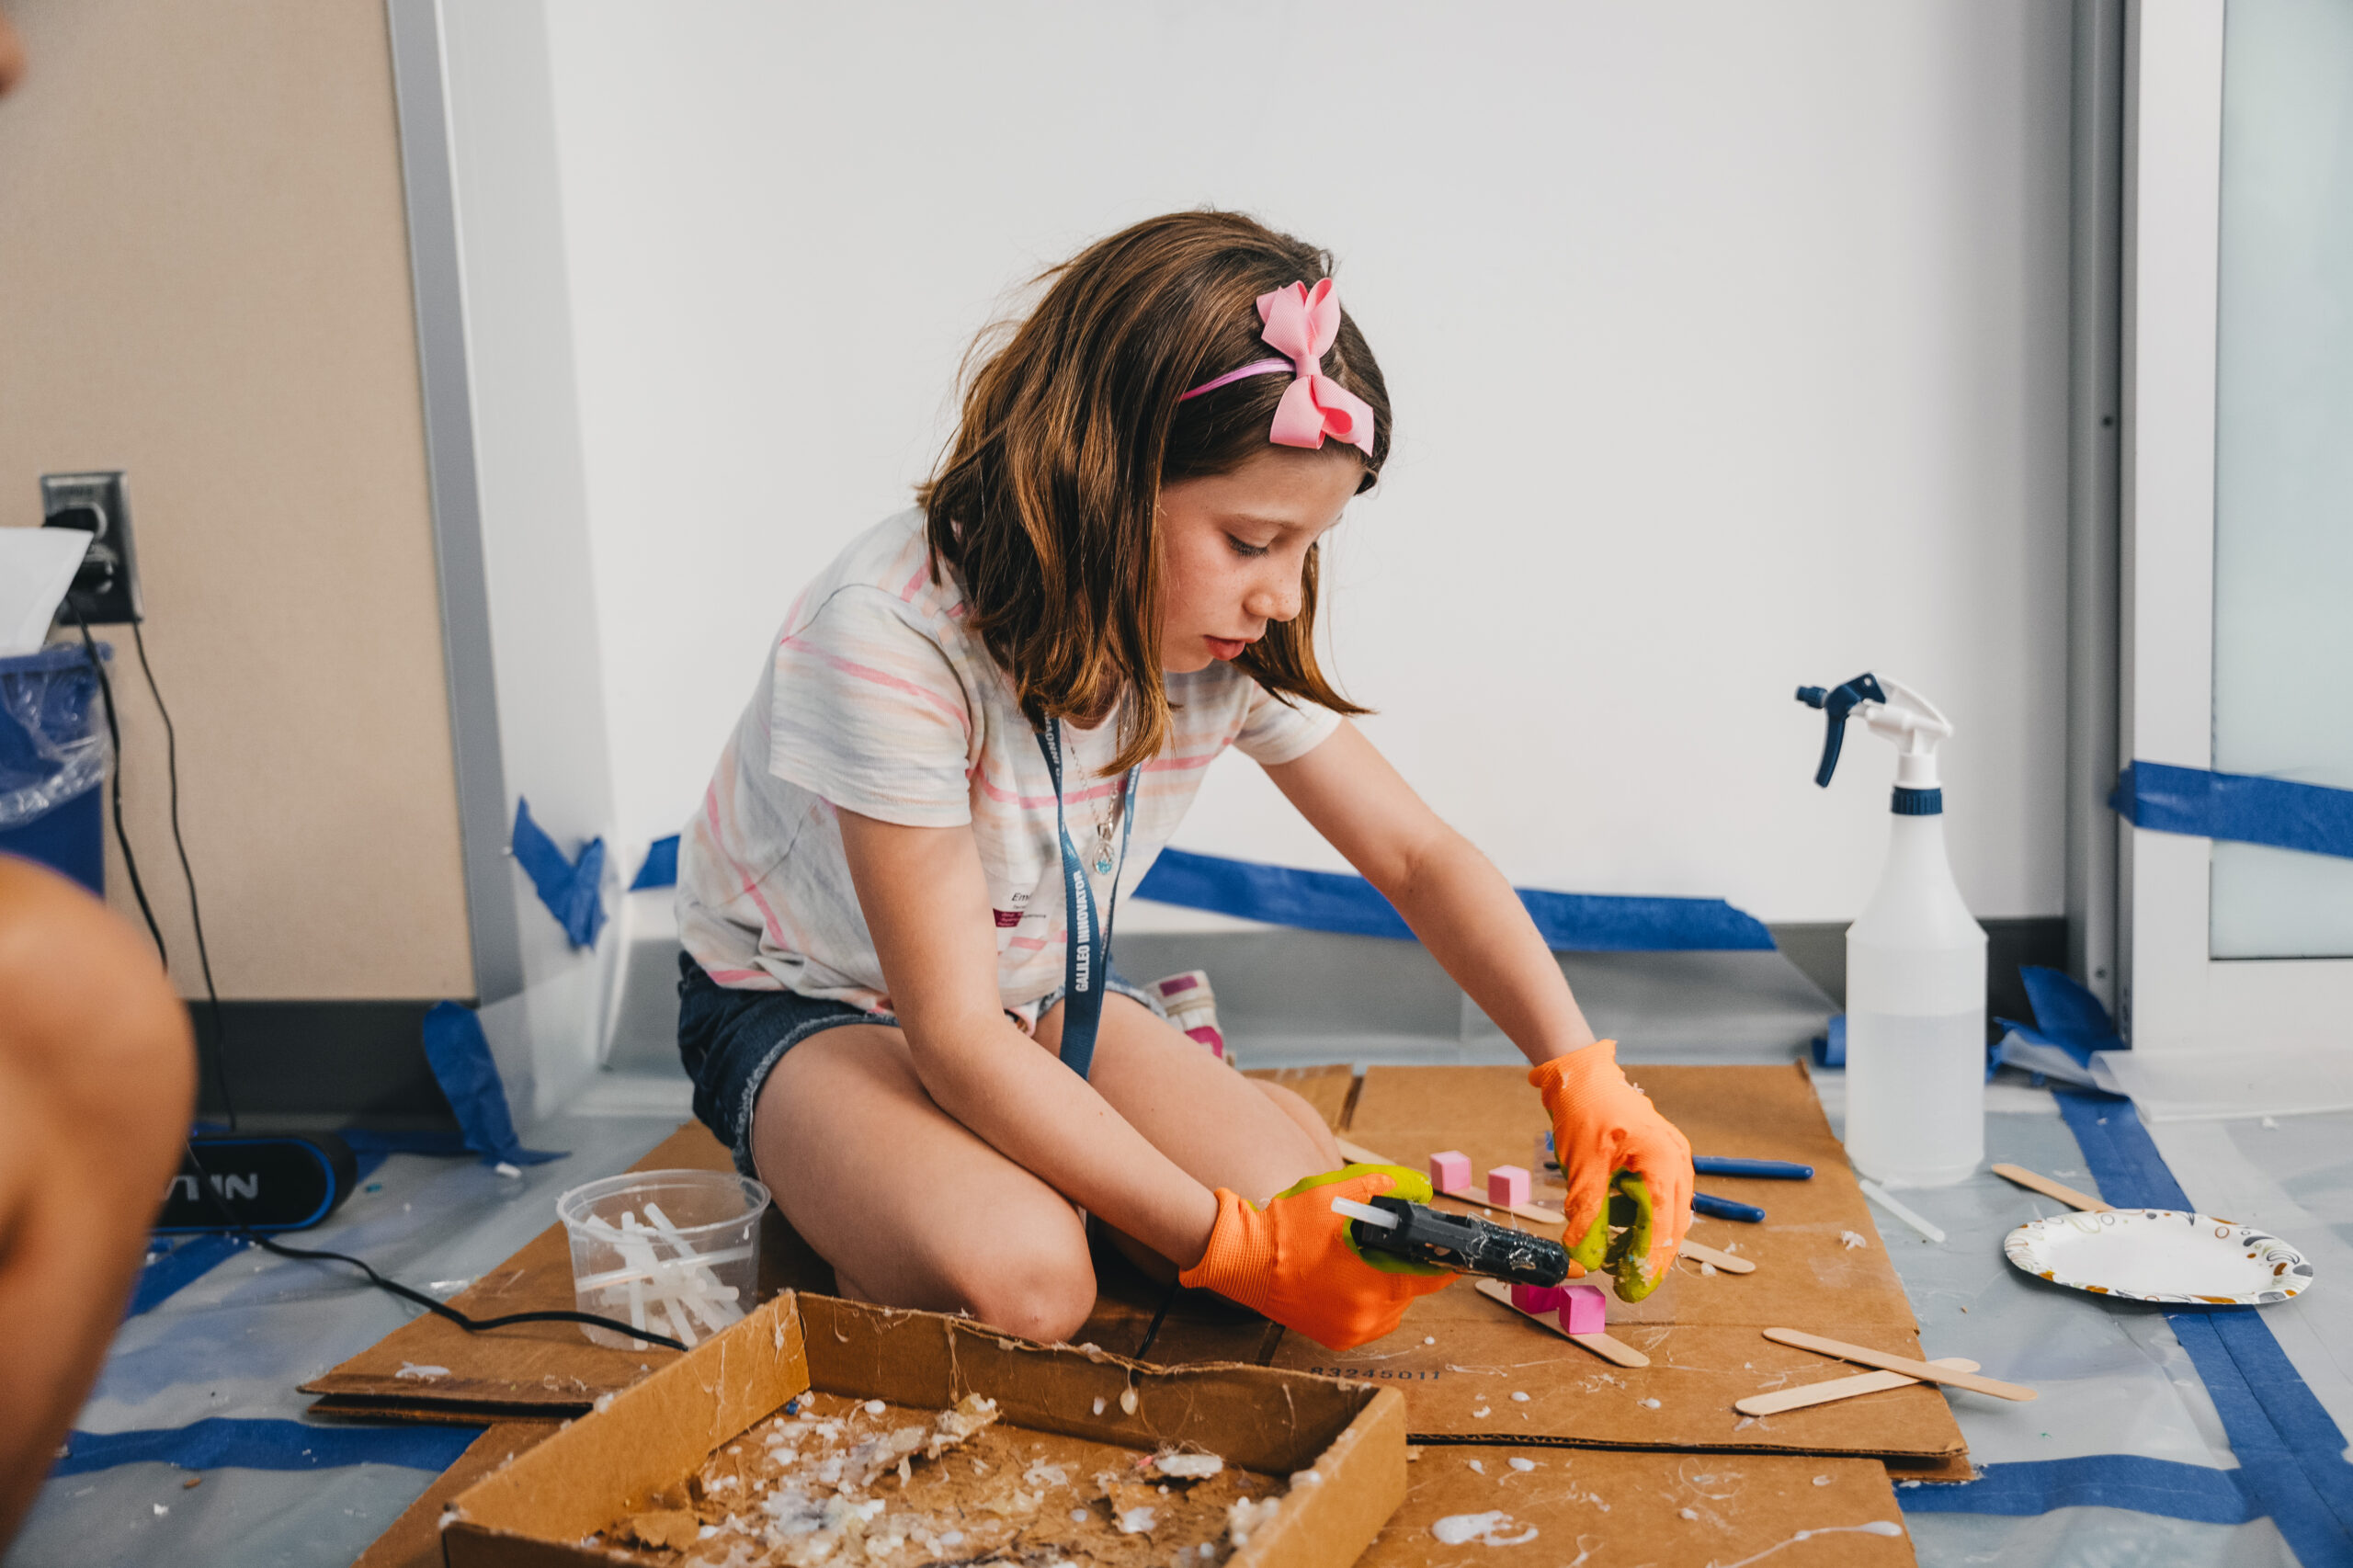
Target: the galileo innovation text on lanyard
(1088, 967)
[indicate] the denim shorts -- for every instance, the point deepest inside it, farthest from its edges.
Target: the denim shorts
(731, 1041)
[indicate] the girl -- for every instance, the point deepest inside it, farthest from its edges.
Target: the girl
(978, 728)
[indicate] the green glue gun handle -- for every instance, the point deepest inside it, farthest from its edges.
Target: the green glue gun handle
(1624, 1256)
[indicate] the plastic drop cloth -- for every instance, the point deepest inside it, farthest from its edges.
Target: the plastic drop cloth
(2111, 1376)
(52, 732)
(2294, 1178)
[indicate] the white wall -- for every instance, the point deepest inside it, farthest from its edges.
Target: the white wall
(1727, 343)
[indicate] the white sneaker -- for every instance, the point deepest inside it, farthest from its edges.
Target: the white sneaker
(1191, 1006)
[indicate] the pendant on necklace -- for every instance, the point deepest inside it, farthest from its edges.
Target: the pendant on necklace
(1102, 865)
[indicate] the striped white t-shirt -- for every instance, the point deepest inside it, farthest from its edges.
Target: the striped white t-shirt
(876, 700)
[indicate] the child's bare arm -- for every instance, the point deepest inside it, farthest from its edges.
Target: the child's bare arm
(1457, 902)
(1474, 924)
(926, 900)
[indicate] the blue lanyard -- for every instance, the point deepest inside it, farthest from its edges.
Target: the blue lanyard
(1087, 969)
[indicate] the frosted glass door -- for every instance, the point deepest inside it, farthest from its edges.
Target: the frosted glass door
(2283, 456)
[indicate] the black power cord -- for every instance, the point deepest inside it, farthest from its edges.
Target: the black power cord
(1153, 1331)
(114, 735)
(195, 915)
(204, 1182)
(438, 1309)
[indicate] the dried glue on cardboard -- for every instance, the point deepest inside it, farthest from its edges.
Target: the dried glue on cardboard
(1916, 963)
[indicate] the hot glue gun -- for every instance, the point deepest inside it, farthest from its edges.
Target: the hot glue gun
(1454, 1240)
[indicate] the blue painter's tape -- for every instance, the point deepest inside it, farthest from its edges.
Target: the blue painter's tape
(2069, 1024)
(226, 1442)
(2065, 1014)
(2165, 1487)
(2289, 1449)
(571, 889)
(1830, 1046)
(463, 1065)
(1328, 901)
(661, 868)
(183, 1266)
(2236, 806)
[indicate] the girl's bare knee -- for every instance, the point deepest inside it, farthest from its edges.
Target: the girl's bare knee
(1041, 1288)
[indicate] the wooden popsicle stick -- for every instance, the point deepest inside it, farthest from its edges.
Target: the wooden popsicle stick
(1921, 1371)
(1613, 1350)
(2048, 1189)
(1838, 1388)
(1535, 1213)
(1724, 1262)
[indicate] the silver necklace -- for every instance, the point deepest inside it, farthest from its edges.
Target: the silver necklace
(1105, 826)
(1107, 823)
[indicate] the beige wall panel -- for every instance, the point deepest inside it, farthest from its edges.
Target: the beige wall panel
(204, 281)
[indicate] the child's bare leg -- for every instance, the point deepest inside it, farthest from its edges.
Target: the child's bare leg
(1311, 1120)
(98, 1079)
(909, 1207)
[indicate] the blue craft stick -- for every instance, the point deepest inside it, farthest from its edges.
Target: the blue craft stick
(1725, 1208)
(1766, 1170)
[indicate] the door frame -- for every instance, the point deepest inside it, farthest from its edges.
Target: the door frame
(2176, 997)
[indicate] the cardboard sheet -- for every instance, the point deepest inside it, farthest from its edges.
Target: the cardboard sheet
(1700, 1331)
(1746, 1504)
(1457, 1355)
(1604, 1508)
(629, 1457)
(547, 1368)
(1328, 1089)
(552, 1369)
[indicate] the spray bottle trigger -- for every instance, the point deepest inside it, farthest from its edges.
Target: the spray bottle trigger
(1836, 703)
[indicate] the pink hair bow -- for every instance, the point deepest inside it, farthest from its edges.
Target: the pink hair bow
(1302, 322)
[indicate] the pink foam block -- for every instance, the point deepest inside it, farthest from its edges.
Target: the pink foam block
(1583, 1309)
(1541, 1299)
(1506, 1184)
(1451, 1172)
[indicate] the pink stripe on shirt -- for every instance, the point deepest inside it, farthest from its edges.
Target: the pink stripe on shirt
(1004, 797)
(883, 678)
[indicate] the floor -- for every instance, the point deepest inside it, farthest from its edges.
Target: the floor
(234, 1342)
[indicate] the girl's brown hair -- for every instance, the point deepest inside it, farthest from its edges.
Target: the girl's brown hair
(1045, 505)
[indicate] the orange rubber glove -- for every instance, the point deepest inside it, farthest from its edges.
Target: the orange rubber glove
(1608, 1136)
(1294, 1260)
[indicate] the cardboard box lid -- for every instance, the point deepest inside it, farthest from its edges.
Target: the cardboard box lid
(612, 1462)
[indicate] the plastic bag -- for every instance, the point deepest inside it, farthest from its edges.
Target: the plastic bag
(52, 732)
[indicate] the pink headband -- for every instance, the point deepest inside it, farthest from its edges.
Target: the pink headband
(1302, 322)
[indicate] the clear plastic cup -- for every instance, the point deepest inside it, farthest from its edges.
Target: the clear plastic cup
(677, 1253)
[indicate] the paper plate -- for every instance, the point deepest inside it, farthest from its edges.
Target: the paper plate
(2161, 1254)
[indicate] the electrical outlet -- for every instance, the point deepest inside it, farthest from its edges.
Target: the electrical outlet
(105, 590)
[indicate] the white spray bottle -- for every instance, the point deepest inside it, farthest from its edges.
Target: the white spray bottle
(1915, 964)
